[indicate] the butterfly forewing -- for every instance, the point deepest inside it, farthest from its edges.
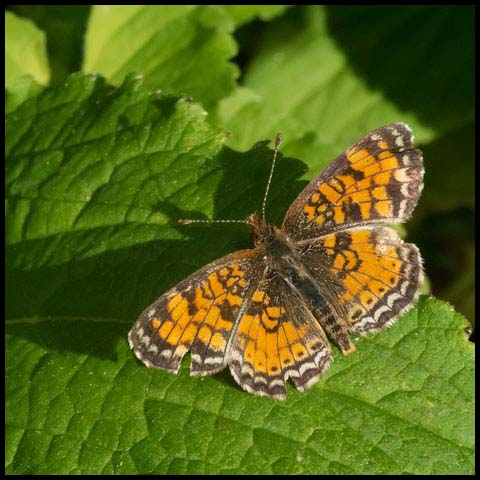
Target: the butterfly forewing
(377, 180)
(199, 314)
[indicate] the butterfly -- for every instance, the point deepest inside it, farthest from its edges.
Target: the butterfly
(329, 271)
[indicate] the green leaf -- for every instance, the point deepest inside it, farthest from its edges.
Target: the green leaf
(238, 15)
(324, 76)
(179, 49)
(25, 51)
(22, 89)
(95, 179)
(64, 26)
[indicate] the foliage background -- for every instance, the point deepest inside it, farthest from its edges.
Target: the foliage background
(79, 271)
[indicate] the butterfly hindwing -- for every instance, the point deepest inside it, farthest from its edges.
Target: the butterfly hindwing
(379, 275)
(277, 338)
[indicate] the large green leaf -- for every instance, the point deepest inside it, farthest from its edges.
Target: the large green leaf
(177, 48)
(326, 75)
(96, 178)
(25, 51)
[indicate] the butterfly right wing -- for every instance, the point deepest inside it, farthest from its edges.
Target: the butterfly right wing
(377, 180)
(199, 314)
(378, 275)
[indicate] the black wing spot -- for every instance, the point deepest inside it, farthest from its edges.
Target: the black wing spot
(356, 314)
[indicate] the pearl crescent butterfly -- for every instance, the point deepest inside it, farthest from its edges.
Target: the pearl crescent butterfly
(329, 271)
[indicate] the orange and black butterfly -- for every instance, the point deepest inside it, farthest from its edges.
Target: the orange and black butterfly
(328, 271)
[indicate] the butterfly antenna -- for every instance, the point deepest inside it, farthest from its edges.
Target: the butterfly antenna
(278, 141)
(186, 221)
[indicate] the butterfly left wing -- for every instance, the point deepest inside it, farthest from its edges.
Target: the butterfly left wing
(199, 314)
(377, 180)
(277, 338)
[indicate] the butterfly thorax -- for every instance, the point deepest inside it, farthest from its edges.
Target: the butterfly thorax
(265, 234)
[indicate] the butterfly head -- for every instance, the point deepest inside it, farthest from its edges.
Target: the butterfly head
(262, 231)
